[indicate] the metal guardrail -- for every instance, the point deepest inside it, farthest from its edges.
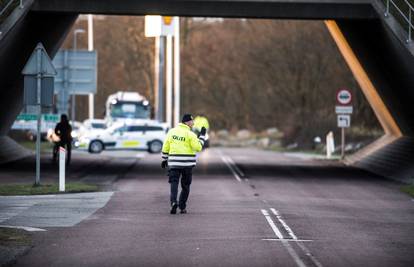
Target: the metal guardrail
(6, 7)
(408, 18)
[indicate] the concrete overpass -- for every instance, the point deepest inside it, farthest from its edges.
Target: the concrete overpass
(372, 45)
(280, 9)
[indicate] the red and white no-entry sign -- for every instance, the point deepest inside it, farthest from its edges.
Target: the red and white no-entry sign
(344, 97)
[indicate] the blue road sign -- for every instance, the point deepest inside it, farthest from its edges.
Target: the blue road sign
(76, 72)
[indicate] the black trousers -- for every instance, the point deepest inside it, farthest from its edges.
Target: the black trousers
(67, 145)
(174, 175)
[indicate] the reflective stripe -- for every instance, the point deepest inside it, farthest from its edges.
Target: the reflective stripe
(191, 160)
(182, 155)
(181, 158)
(181, 164)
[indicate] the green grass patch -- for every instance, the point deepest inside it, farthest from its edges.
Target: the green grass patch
(25, 189)
(45, 147)
(13, 237)
(409, 189)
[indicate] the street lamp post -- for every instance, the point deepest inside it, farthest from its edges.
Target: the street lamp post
(75, 35)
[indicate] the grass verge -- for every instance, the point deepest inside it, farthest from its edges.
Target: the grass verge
(13, 244)
(29, 189)
(409, 189)
(45, 147)
(10, 236)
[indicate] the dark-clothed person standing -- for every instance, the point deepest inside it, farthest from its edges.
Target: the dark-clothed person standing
(64, 131)
(179, 154)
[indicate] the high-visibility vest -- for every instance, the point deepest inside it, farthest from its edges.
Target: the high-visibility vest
(180, 147)
(200, 122)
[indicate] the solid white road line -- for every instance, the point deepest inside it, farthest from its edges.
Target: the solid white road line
(233, 171)
(285, 243)
(292, 234)
(235, 166)
(287, 228)
(272, 224)
(28, 229)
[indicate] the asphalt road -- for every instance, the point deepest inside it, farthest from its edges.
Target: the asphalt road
(246, 208)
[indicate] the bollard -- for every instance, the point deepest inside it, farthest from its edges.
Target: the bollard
(62, 164)
(330, 145)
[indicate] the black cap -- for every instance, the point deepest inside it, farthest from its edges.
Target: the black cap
(187, 117)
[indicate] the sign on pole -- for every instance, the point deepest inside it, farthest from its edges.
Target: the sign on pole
(76, 75)
(156, 26)
(46, 68)
(344, 121)
(344, 111)
(344, 97)
(31, 78)
(38, 90)
(162, 27)
(77, 72)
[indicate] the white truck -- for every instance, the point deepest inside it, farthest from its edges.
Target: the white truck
(126, 106)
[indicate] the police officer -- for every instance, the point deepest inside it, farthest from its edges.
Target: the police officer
(179, 154)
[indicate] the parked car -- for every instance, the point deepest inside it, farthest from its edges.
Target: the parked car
(143, 135)
(94, 124)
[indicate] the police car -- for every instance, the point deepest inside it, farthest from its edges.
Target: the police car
(139, 135)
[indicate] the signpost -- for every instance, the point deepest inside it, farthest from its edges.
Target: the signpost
(164, 28)
(76, 75)
(344, 110)
(39, 75)
(28, 121)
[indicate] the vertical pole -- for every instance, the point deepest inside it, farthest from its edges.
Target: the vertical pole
(169, 81)
(161, 67)
(73, 109)
(90, 48)
(177, 72)
(156, 76)
(65, 94)
(342, 143)
(39, 114)
(62, 161)
(21, 4)
(73, 103)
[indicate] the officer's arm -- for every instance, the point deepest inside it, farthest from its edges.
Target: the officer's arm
(166, 147)
(196, 143)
